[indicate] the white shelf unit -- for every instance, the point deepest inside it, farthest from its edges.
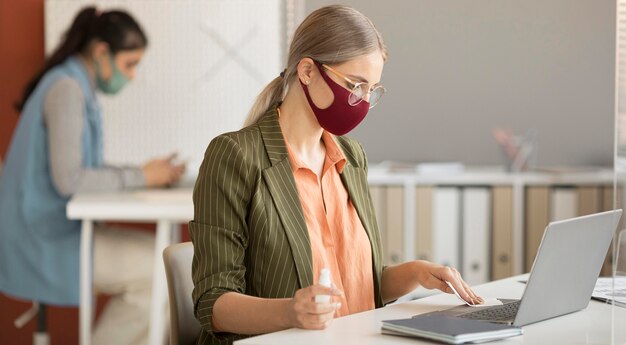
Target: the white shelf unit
(479, 177)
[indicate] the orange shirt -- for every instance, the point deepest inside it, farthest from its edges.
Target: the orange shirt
(338, 239)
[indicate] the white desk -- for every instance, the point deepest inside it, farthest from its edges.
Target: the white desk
(166, 207)
(592, 325)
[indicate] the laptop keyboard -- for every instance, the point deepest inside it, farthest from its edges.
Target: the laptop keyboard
(498, 313)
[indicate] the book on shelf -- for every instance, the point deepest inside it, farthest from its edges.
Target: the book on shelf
(450, 330)
(446, 226)
(563, 203)
(589, 200)
(476, 234)
(569, 169)
(502, 232)
(537, 218)
(436, 168)
(424, 222)
(425, 168)
(394, 225)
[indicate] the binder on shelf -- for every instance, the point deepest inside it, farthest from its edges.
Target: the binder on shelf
(589, 200)
(394, 225)
(537, 217)
(380, 210)
(476, 237)
(563, 203)
(607, 198)
(502, 232)
(446, 226)
(607, 201)
(424, 223)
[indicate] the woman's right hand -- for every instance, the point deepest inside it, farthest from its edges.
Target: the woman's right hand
(162, 172)
(304, 312)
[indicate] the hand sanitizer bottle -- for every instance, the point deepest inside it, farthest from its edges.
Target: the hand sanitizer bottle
(325, 281)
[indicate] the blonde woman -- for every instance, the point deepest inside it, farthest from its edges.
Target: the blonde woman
(287, 196)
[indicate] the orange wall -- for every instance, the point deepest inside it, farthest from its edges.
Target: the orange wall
(21, 55)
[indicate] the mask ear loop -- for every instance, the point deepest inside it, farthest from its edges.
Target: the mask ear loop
(305, 83)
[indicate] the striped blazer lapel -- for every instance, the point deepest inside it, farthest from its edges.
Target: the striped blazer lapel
(282, 187)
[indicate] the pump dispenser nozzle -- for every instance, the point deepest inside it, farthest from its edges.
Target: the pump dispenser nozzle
(325, 281)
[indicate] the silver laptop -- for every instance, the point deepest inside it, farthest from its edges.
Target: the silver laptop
(563, 275)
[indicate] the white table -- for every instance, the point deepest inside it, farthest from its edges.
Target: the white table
(596, 324)
(166, 207)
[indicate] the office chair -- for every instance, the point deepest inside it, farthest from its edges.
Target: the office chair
(38, 310)
(184, 328)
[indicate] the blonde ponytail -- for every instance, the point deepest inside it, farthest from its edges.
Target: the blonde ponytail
(272, 93)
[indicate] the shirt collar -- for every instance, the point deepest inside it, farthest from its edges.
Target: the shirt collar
(334, 155)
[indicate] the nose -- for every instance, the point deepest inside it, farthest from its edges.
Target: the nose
(366, 96)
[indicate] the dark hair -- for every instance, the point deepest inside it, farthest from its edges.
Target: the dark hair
(117, 28)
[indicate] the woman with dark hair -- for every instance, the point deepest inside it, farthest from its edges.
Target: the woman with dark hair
(56, 151)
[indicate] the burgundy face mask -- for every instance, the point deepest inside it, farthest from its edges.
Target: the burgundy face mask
(340, 117)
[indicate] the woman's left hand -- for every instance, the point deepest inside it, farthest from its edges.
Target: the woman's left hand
(433, 276)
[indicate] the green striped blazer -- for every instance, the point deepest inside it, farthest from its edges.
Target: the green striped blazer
(249, 232)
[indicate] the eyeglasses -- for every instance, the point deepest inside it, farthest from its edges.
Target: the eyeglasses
(358, 89)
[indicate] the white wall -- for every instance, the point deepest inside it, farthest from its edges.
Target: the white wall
(206, 62)
(458, 68)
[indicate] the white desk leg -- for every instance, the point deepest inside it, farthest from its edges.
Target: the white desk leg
(159, 290)
(86, 291)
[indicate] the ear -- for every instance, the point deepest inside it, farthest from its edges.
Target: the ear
(306, 70)
(100, 50)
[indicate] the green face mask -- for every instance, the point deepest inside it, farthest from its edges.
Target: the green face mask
(117, 81)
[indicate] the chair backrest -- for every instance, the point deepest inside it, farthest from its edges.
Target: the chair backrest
(184, 327)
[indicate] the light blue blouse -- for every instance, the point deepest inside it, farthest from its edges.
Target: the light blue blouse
(39, 246)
